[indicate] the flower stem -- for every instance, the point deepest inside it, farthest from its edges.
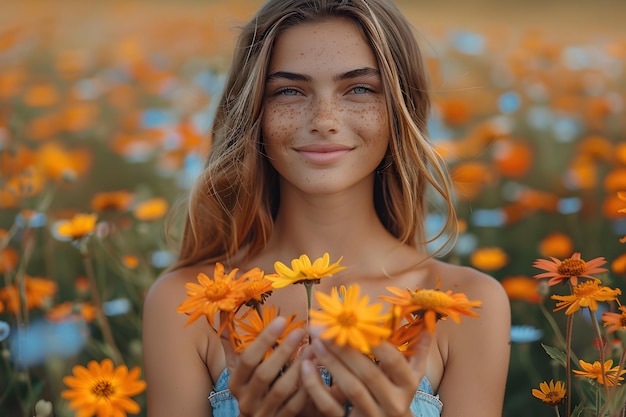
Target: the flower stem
(568, 366)
(102, 318)
(556, 408)
(308, 285)
(596, 327)
(555, 329)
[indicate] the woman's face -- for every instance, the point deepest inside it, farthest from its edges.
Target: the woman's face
(325, 123)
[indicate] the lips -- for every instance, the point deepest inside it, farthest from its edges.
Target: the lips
(323, 154)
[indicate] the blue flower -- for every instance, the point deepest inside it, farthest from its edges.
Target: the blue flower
(525, 334)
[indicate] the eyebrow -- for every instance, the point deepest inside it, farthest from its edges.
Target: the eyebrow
(292, 76)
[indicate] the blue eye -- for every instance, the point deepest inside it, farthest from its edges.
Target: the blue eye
(360, 90)
(288, 92)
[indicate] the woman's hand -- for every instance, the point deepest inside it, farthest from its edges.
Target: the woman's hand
(374, 390)
(264, 387)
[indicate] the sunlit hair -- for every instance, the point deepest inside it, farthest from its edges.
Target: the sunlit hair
(232, 205)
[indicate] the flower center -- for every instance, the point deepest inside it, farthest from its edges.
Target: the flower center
(103, 389)
(430, 299)
(217, 291)
(572, 267)
(553, 396)
(586, 289)
(347, 319)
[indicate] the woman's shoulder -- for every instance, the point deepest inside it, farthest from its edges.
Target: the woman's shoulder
(470, 281)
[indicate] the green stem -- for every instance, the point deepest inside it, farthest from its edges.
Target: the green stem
(556, 330)
(308, 285)
(568, 365)
(556, 408)
(102, 318)
(596, 327)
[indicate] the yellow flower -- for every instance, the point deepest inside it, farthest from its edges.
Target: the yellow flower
(617, 321)
(103, 390)
(570, 268)
(246, 333)
(552, 394)
(151, 210)
(432, 304)
(222, 293)
(586, 294)
(489, 259)
(78, 226)
(303, 270)
(350, 321)
(595, 371)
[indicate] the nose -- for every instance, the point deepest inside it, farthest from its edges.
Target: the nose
(325, 113)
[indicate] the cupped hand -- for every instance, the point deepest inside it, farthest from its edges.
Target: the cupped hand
(267, 387)
(373, 389)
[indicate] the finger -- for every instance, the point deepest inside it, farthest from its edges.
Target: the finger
(279, 395)
(268, 369)
(317, 390)
(420, 359)
(350, 385)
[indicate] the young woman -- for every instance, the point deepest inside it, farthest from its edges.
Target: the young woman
(320, 146)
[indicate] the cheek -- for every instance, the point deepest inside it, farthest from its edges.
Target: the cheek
(374, 126)
(278, 125)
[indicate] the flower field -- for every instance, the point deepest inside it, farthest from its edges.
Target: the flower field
(104, 112)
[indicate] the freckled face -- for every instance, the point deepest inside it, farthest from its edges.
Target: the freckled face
(325, 124)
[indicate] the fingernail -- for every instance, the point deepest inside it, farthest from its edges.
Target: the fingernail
(307, 368)
(294, 337)
(277, 326)
(315, 331)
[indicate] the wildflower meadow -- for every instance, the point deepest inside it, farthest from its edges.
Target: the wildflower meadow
(104, 117)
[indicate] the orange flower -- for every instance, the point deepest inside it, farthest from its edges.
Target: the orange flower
(558, 245)
(246, 333)
(489, 259)
(103, 390)
(130, 261)
(152, 209)
(255, 287)
(618, 265)
(407, 335)
(78, 227)
(38, 292)
(551, 394)
(61, 164)
(586, 294)
(112, 200)
(70, 311)
(622, 196)
(350, 320)
(512, 158)
(571, 268)
(522, 288)
(41, 95)
(470, 178)
(605, 374)
(617, 321)
(9, 259)
(210, 295)
(432, 304)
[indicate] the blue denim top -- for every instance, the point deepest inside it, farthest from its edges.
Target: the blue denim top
(224, 404)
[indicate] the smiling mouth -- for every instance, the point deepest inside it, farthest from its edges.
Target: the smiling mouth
(323, 157)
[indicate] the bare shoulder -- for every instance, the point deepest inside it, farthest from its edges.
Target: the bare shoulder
(473, 283)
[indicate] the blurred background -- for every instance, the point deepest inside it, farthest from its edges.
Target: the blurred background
(105, 107)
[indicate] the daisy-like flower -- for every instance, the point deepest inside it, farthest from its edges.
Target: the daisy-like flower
(77, 227)
(72, 311)
(112, 201)
(248, 327)
(221, 293)
(586, 294)
(571, 268)
(432, 304)
(552, 393)
(406, 337)
(350, 321)
(151, 210)
(255, 287)
(616, 321)
(100, 389)
(302, 270)
(609, 377)
(38, 292)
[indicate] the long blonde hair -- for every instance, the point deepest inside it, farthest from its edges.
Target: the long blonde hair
(233, 202)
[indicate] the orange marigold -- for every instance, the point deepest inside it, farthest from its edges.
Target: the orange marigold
(432, 304)
(616, 321)
(78, 227)
(606, 374)
(38, 292)
(586, 294)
